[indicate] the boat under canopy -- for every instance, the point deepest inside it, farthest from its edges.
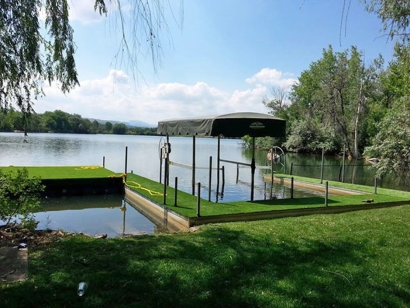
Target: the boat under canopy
(227, 125)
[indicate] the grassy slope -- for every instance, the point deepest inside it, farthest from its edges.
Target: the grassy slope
(358, 259)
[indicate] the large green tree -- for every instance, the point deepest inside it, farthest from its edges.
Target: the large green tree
(391, 145)
(331, 99)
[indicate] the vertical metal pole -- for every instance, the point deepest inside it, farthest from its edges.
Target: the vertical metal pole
(343, 163)
(218, 162)
(291, 168)
(321, 167)
(237, 173)
(326, 193)
(160, 168)
(375, 185)
(198, 203)
(193, 164)
(166, 174)
(210, 178)
(103, 161)
(126, 162)
(167, 163)
(292, 180)
(176, 192)
(271, 175)
(223, 181)
(253, 168)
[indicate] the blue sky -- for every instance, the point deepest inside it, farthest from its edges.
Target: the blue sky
(226, 57)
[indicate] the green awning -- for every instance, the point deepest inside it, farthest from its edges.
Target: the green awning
(228, 125)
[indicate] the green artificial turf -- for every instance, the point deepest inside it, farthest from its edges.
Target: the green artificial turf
(357, 259)
(187, 203)
(65, 172)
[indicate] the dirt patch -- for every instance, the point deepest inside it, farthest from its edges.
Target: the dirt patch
(13, 264)
(14, 245)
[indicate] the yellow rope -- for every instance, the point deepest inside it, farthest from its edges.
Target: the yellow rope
(88, 167)
(138, 186)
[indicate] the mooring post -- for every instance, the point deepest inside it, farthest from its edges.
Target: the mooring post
(343, 163)
(126, 162)
(237, 173)
(326, 193)
(193, 164)
(210, 178)
(291, 187)
(271, 176)
(198, 202)
(218, 161)
(160, 170)
(176, 191)
(322, 165)
(375, 185)
(223, 181)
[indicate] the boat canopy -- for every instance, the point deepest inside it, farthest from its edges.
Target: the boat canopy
(228, 125)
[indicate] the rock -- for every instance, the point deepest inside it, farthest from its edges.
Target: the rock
(102, 236)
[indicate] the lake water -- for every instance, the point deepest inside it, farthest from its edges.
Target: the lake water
(111, 215)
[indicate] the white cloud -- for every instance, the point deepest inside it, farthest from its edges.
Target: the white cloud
(272, 77)
(115, 98)
(83, 11)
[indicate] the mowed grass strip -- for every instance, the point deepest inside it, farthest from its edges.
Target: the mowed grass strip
(357, 259)
(64, 172)
(187, 203)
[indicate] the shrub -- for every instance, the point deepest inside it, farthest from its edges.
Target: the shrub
(19, 197)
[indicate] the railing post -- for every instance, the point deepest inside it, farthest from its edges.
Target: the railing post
(198, 202)
(291, 168)
(326, 193)
(176, 192)
(126, 162)
(375, 185)
(322, 165)
(223, 181)
(210, 178)
(291, 187)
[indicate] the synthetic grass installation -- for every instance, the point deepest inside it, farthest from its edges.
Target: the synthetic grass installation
(358, 259)
(74, 180)
(187, 203)
(64, 172)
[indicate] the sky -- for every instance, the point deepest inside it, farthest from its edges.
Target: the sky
(217, 56)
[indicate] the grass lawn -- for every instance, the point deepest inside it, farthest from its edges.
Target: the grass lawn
(357, 259)
(187, 203)
(66, 172)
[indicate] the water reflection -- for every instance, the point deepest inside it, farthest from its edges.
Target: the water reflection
(94, 215)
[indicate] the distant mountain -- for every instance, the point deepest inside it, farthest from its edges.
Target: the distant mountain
(132, 123)
(139, 124)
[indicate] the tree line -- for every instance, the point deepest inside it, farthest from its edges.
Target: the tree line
(62, 122)
(343, 104)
